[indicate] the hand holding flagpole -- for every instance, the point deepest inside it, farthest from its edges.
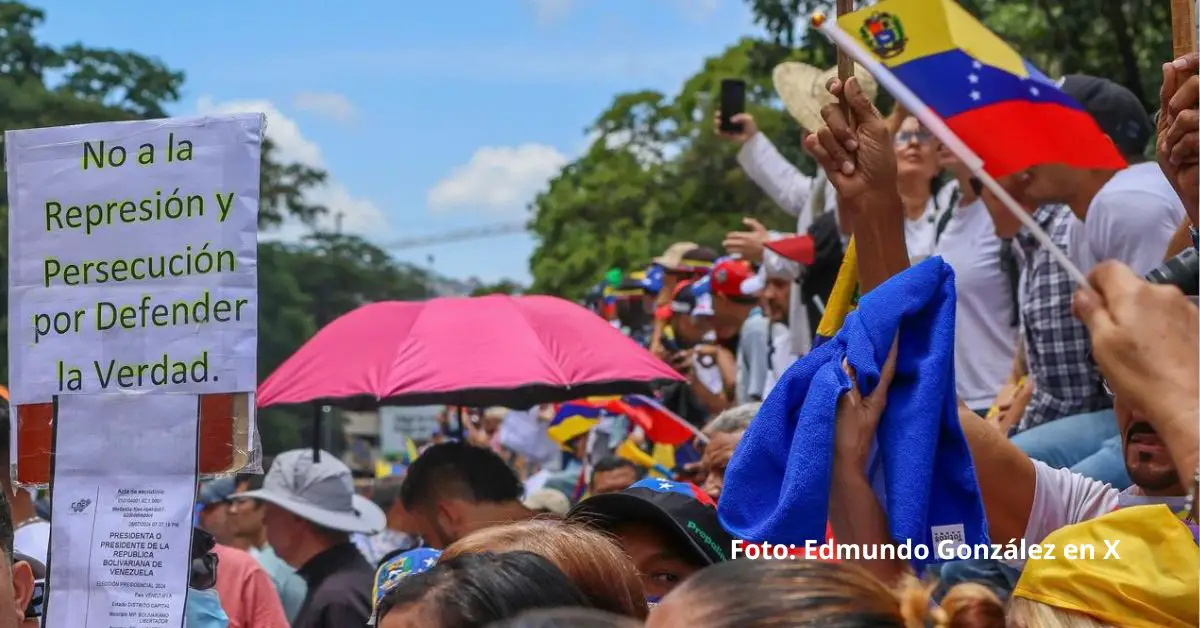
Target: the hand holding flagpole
(934, 123)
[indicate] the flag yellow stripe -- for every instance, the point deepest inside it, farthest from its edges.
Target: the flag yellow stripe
(841, 298)
(931, 27)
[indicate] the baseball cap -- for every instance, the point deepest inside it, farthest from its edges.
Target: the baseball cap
(673, 256)
(627, 288)
(680, 509)
(216, 491)
(397, 566)
(697, 260)
(733, 278)
(799, 248)
(1114, 108)
(652, 282)
(682, 301)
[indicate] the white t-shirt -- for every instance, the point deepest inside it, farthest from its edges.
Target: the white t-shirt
(920, 234)
(984, 338)
(1062, 498)
(781, 356)
(33, 540)
(709, 376)
(1131, 219)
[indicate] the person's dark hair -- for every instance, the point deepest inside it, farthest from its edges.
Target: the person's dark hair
(6, 524)
(474, 590)
(254, 481)
(386, 492)
(612, 463)
(752, 593)
(5, 437)
(566, 618)
(460, 471)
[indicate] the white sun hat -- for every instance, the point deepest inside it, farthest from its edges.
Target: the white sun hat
(801, 87)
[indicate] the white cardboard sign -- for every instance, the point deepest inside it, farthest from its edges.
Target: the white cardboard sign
(121, 524)
(133, 257)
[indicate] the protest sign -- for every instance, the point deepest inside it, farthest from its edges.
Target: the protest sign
(132, 257)
(121, 526)
(132, 311)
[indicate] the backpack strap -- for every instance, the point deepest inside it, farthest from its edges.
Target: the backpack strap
(1012, 271)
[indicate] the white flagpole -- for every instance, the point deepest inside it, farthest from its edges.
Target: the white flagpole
(934, 123)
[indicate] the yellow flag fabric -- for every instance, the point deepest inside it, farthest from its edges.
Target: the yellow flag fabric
(841, 298)
(929, 27)
(1152, 581)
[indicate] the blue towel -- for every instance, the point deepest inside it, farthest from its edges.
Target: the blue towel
(777, 484)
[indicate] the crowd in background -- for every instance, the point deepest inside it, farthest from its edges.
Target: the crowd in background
(1078, 407)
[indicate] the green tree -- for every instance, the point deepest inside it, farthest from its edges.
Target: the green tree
(503, 286)
(1126, 41)
(300, 284)
(657, 174)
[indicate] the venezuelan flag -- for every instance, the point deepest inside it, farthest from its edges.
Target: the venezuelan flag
(1009, 113)
(841, 298)
(387, 469)
(410, 450)
(660, 424)
(573, 419)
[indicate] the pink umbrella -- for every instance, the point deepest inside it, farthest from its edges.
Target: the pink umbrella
(487, 351)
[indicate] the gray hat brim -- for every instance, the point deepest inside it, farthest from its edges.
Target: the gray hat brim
(367, 518)
(35, 565)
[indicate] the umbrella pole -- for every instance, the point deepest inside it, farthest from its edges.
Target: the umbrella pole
(318, 429)
(459, 430)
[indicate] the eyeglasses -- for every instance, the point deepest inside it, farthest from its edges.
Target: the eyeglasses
(921, 136)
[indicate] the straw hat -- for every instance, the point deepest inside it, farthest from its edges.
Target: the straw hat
(802, 89)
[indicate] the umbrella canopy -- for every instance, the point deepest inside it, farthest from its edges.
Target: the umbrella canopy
(496, 350)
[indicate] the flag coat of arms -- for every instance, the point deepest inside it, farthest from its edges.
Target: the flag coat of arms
(1001, 106)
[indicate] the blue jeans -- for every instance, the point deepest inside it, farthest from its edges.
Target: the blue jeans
(1087, 444)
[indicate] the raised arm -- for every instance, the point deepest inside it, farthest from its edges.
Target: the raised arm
(861, 163)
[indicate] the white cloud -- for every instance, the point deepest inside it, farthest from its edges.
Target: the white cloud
(550, 11)
(359, 215)
(336, 107)
(499, 179)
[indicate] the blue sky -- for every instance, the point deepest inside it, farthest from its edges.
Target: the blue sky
(429, 116)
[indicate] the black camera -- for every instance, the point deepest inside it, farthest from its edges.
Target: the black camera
(1181, 271)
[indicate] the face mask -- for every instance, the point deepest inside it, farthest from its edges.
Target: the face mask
(204, 610)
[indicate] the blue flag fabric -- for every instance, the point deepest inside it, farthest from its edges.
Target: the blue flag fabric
(777, 484)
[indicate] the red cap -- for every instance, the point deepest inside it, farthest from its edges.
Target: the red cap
(728, 276)
(796, 248)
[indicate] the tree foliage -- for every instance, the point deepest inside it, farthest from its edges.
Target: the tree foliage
(657, 173)
(504, 286)
(301, 284)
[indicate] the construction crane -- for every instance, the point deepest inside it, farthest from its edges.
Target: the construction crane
(457, 235)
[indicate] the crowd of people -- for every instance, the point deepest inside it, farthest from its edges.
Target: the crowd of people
(1078, 407)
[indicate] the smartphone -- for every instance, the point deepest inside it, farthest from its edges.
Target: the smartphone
(733, 102)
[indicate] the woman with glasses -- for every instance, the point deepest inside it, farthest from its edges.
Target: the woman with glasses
(917, 172)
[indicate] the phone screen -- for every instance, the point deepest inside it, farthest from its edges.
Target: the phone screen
(733, 102)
